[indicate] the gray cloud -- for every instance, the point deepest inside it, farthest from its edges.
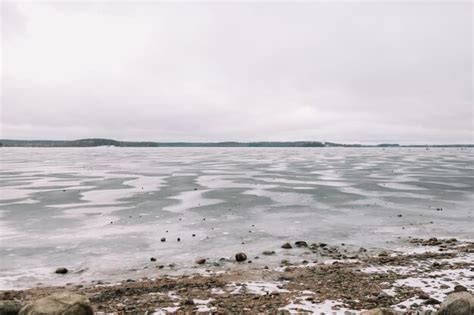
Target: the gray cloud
(365, 72)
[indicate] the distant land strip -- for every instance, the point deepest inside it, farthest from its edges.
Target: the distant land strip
(97, 142)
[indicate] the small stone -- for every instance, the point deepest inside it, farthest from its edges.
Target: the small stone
(286, 246)
(423, 296)
(301, 244)
(188, 302)
(431, 301)
(62, 270)
(269, 252)
(459, 288)
(201, 261)
(240, 257)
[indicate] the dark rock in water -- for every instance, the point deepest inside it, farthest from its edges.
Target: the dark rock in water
(163, 239)
(240, 257)
(269, 252)
(179, 240)
(459, 303)
(59, 303)
(201, 261)
(399, 215)
(172, 265)
(301, 244)
(286, 246)
(62, 270)
(459, 288)
(152, 259)
(9, 307)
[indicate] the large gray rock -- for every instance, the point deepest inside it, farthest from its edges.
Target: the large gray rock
(9, 307)
(458, 303)
(64, 303)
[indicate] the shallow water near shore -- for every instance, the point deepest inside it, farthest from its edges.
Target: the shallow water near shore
(101, 212)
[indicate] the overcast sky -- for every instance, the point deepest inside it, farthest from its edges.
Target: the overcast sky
(348, 72)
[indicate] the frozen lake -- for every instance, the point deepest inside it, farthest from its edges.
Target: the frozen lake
(101, 212)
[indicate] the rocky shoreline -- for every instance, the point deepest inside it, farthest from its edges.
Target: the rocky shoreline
(347, 281)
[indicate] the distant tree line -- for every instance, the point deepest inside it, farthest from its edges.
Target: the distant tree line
(97, 142)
